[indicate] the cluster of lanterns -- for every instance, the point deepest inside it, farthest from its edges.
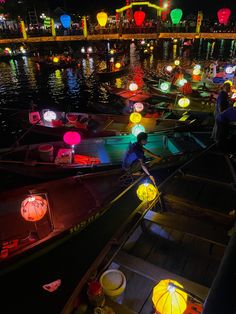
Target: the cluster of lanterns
(89, 50)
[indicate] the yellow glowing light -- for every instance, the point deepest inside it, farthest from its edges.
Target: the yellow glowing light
(177, 62)
(151, 48)
(55, 60)
(229, 82)
(135, 117)
(184, 102)
(234, 105)
(169, 68)
(196, 71)
(147, 192)
(112, 51)
(102, 18)
(145, 51)
(118, 65)
(168, 299)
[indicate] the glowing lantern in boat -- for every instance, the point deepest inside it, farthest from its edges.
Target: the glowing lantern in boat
(229, 82)
(182, 82)
(102, 19)
(196, 71)
(8, 51)
(34, 208)
(184, 102)
(138, 128)
(82, 50)
(165, 86)
(147, 192)
(197, 67)
(177, 62)
(167, 298)
(176, 15)
(112, 52)
(186, 89)
(72, 138)
(65, 20)
(89, 50)
(234, 105)
(169, 68)
(49, 116)
(139, 17)
(55, 60)
(151, 48)
(117, 65)
(223, 15)
(229, 70)
(233, 96)
(133, 87)
(135, 117)
(138, 106)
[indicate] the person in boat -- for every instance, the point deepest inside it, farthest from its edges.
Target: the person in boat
(224, 120)
(222, 103)
(135, 159)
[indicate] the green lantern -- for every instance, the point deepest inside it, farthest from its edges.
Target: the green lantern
(176, 15)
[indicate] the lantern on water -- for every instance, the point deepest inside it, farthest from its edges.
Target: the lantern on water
(182, 82)
(65, 20)
(176, 15)
(102, 19)
(139, 17)
(82, 50)
(8, 51)
(72, 138)
(223, 15)
(133, 87)
(229, 82)
(34, 208)
(196, 71)
(169, 68)
(229, 70)
(165, 86)
(177, 62)
(89, 50)
(135, 117)
(138, 106)
(168, 299)
(138, 128)
(117, 65)
(184, 102)
(147, 192)
(49, 116)
(197, 67)
(55, 59)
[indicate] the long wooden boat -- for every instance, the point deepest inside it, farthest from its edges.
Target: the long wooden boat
(55, 159)
(180, 236)
(98, 125)
(106, 75)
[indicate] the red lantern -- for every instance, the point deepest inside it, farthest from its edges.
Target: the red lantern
(223, 15)
(139, 17)
(33, 208)
(186, 89)
(72, 138)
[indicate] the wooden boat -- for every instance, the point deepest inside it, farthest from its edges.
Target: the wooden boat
(55, 159)
(106, 75)
(97, 125)
(182, 239)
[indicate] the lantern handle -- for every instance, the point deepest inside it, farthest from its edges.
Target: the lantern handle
(193, 296)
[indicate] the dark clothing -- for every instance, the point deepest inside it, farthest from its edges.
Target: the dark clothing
(134, 153)
(229, 115)
(222, 102)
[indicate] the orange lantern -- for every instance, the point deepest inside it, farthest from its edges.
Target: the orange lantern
(34, 208)
(102, 19)
(186, 89)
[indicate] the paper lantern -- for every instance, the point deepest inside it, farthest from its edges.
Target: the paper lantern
(135, 117)
(49, 116)
(139, 17)
(133, 87)
(182, 82)
(229, 70)
(147, 192)
(176, 15)
(112, 52)
(165, 86)
(186, 89)
(55, 59)
(102, 19)
(89, 50)
(8, 51)
(138, 128)
(168, 299)
(223, 15)
(72, 138)
(138, 106)
(169, 68)
(197, 67)
(184, 102)
(117, 65)
(177, 62)
(196, 72)
(65, 20)
(33, 208)
(82, 50)
(229, 82)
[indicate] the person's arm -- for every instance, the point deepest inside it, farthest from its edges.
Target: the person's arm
(152, 154)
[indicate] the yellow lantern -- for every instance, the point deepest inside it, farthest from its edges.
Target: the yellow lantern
(196, 71)
(102, 19)
(55, 60)
(147, 192)
(177, 62)
(168, 299)
(184, 102)
(117, 65)
(229, 82)
(135, 117)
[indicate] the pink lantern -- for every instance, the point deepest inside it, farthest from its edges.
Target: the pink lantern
(34, 208)
(72, 138)
(139, 17)
(223, 15)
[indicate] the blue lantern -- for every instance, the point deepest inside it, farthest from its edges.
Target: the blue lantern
(65, 20)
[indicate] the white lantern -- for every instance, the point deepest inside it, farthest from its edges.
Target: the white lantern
(49, 116)
(133, 87)
(138, 106)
